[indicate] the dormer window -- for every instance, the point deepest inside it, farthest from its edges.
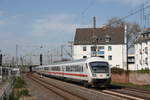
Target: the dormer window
(142, 36)
(107, 38)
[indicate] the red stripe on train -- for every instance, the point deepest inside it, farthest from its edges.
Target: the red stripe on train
(71, 74)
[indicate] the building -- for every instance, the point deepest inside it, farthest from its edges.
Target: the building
(107, 42)
(142, 51)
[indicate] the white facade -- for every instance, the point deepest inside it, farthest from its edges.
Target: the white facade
(115, 54)
(142, 55)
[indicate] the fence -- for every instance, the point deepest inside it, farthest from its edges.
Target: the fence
(132, 77)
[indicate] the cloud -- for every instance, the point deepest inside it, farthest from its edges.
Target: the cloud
(128, 2)
(2, 13)
(54, 24)
(2, 22)
(51, 24)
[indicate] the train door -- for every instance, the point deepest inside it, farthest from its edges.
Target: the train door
(88, 78)
(85, 70)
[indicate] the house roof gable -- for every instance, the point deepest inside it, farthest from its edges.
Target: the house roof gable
(84, 36)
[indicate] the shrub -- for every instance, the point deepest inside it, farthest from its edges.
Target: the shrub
(25, 92)
(116, 70)
(146, 70)
(19, 82)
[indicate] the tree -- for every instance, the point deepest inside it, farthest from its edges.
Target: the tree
(115, 22)
(133, 29)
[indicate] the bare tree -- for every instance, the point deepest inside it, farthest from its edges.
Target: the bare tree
(115, 22)
(133, 29)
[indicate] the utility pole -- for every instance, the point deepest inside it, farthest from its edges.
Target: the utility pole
(48, 55)
(21, 59)
(1, 57)
(41, 59)
(16, 55)
(71, 48)
(41, 56)
(61, 52)
(51, 58)
(126, 42)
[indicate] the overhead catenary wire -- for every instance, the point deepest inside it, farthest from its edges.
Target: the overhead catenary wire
(135, 12)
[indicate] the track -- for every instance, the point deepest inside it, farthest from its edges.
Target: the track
(114, 91)
(66, 95)
(138, 90)
(130, 93)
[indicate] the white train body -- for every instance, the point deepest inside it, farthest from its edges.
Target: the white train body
(93, 71)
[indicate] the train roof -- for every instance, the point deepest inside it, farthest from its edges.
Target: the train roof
(80, 60)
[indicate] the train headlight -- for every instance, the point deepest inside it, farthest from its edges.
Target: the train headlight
(94, 75)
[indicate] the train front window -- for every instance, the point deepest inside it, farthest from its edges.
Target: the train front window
(99, 67)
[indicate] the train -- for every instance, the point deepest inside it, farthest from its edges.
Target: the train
(92, 72)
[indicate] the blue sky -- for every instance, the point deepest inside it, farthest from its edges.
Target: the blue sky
(53, 22)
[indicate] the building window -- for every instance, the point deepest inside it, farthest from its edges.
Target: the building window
(102, 56)
(109, 48)
(141, 62)
(146, 61)
(100, 48)
(84, 56)
(84, 48)
(110, 57)
(140, 51)
(107, 38)
(146, 50)
(100, 52)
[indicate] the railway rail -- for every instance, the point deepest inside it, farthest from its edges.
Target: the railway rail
(132, 88)
(135, 92)
(132, 93)
(66, 95)
(120, 92)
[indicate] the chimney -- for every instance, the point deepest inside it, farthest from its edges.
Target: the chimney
(94, 22)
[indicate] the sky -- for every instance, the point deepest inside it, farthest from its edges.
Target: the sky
(31, 23)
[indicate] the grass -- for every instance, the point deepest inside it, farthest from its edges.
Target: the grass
(19, 82)
(19, 89)
(146, 87)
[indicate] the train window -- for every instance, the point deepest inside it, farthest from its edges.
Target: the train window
(46, 68)
(99, 67)
(55, 68)
(74, 68)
